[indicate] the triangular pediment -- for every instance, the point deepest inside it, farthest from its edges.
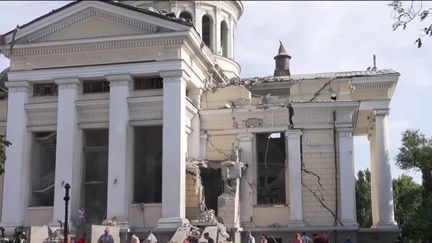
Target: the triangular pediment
(93, 19)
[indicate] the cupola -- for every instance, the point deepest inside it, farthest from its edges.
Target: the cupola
(282, 62)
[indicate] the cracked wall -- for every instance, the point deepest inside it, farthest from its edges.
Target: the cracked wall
(318, 176)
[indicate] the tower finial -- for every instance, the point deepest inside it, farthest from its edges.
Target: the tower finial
(282, 62)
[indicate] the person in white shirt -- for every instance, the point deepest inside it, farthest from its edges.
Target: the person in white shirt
(305, 238)
(151, 238)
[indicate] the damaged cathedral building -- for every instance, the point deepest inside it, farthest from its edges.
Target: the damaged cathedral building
(139, 106)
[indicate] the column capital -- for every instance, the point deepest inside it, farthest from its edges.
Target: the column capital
(293, 134)
(381, 112)
(344, 131)
(119, 79)
(67, 83)
(245, 137)
(18, 86)
(174, 75)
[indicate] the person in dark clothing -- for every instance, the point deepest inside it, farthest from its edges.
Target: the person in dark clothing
(208, 238)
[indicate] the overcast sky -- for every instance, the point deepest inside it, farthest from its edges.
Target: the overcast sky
(320, 37)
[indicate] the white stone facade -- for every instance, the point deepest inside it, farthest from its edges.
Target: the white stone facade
(201, 117)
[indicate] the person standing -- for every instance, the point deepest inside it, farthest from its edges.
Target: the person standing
(151, 238)
(208, 238)
(251, 239)
(106, 237)
(297, 238)
(263, 238)
(305, 238)
(135, 239)
(348, 239)
(83, 238)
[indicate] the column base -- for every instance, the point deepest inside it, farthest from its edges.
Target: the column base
(386, 225)
(347, 222)
(171, 223)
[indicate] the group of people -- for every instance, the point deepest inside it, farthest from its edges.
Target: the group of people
(299, 238)
(106, 237)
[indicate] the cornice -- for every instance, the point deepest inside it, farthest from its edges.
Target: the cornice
(90, 47)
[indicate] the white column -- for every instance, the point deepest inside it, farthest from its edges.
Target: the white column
(203, 145)
(174, 149)
(346, 177)
(194, 137)
(66, 148)
(247, 180)
(118, 188)
(294, 177)
(16, 178)
(374, 176)
(384, 179)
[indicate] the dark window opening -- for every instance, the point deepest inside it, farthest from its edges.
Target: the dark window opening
(96, 86)
(148, 164)
(186, 16)
(46, 89)
(95, 175)
(206, 30)
(141, 83)
(271, 168)
(212, 182)
(42, 167)
(224, 39)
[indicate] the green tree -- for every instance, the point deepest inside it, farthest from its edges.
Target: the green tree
(407, 201)
(3, 144)
(404, 12)
(363, 198)
(416, 153)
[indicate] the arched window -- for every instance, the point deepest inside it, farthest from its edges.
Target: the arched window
(186, 16)
(206, 30)
(224, 39)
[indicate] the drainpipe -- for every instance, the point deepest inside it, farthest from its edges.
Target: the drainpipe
(336, 169)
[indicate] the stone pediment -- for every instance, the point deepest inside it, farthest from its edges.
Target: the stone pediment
(92, 19)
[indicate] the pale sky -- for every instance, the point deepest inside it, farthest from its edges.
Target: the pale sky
(320, 37)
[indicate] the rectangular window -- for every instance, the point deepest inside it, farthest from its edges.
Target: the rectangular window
(42, 167)
(95, 175)
(271, 168)
(46, 89)
(148, 164)
(141, 83)
(96, 86)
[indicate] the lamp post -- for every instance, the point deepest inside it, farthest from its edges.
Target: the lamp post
(66, 199)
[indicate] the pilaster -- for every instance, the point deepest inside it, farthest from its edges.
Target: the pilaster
(16, 178)
(118, 187)
(247, 180)
(346, 177)
(293, 182)
(66, 169)
(174, 149)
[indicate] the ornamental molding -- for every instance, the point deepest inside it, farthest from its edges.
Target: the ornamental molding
(293, 134)
(85, 14)
(68, 83)
(92, 47)
(18, 86)
(374, 86)
(381, 112)
(119, 79)
(145, 108)
(174, 75)
(93, 111)
(41, 114)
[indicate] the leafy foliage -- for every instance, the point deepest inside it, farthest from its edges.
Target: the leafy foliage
(3, 144)
(407, 197)
(406, 14)
(363, 198)
(416, 153)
